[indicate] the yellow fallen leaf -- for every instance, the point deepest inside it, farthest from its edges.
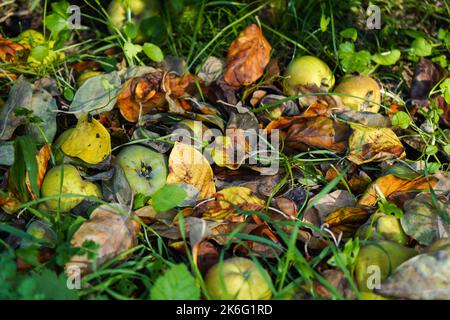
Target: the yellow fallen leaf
(368, 144)
(89, 141)
(188, 165)
(227, 200)
(42, 158)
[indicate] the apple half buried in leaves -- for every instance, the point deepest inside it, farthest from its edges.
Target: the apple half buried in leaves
(361, 93)
(308, 70)
(237, 279)
(144, 169)
(71, 183)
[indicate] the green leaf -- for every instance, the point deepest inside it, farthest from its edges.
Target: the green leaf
(153, 52)
(387, 58)
(140, 201)
(349, 33)
(28, 153)
(47, 285)
(421, 47)
(401, 119)
(352, 61)
(130, 30)
(445, 88)
(131, 50)
(441, 60)
(39, 53)
(447, 149)
(348, 255)
(324, 22)
(388, 207)
(154, 28)
(168, 197)
(177, 283)
(431, 150)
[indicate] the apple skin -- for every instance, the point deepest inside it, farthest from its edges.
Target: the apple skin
(72, 183)
(237, 279)
(386, 255)
(360, 86)
(383, 227)
(308, 70)
(145, 169)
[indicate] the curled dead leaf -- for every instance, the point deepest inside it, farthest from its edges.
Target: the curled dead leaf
(141, 95)
(9, 50)
(347, 220)
(111, 230)
(42, 158)
(188, 165)
(390, 185)
(247, 57)
(227, 202)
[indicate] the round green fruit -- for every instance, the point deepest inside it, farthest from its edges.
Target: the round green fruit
(383, 227)
(360, 93)
(145, 169)
(376, 261)
(308, 70)
(237, 279)
(71, 183)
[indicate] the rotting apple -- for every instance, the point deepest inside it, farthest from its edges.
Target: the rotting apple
(66, 179)
(144, 168)
(361, 93)
(377, 260)
(308, 70)
(238, 279)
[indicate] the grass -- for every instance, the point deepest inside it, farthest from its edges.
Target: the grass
(214, 25)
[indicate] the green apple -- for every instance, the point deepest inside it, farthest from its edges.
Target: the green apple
(377, 260)
(360, 93)
(144, 169)
(71, 183)
(383, 227)
(237, 279)
(308, 70)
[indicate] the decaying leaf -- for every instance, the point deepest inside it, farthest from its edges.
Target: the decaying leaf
(227, 201)
(320, 132)
(425, 276)
(9, 50)
(140, 96)
(390, 185)
(426, 75)
(89, 141)
(20, 96)
(247, 57)
(111, 230)
(188, 165)
(368, 144)
(96, 95)
(347, 220)
(42, 158)
(421, 220)
(211, 70)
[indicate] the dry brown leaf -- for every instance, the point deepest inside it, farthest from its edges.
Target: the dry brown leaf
(188, 165)
(113, 232)
(347, 220)
(42, 157)
(320, 132)
(9, 204)
(368, 144)
(140, 96)
(9, 49)
(226, 203)
(247, 57)
(391, 185)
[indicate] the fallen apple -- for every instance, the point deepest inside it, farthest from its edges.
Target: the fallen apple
(308, 70)
(66, 179)
(360, 93)
(237, 279)
(383, 227)
(145, 169)
(377, 260)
